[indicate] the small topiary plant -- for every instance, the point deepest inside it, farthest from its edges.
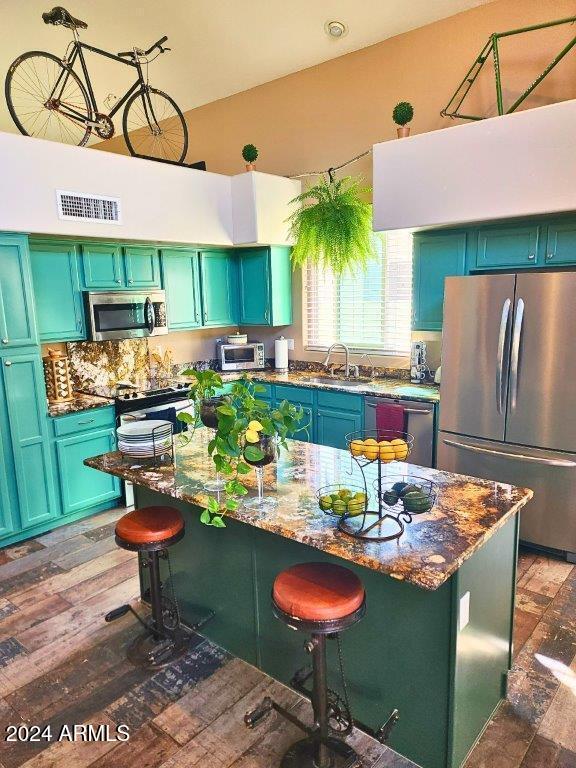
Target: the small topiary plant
(250, 153)
(403, 113)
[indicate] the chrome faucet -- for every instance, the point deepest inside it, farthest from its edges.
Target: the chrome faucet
(347, 358)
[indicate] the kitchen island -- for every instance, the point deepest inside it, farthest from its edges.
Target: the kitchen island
(436, 641)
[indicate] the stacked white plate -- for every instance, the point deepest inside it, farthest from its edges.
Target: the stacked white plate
(145, 439)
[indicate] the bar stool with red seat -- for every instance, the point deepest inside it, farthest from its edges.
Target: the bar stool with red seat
(322, 599)
(150, 531)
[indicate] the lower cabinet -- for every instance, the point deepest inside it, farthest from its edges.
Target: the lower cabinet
(328, 416)
(27, 460)
(77, 437)
(80, 486)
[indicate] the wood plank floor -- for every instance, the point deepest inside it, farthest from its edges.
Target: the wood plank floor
(61, 665)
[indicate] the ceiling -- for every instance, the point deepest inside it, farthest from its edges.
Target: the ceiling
(218, 48)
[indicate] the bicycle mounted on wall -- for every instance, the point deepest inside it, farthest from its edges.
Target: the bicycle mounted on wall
(47, 99)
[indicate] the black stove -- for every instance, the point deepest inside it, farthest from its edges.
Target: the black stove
(128, 399)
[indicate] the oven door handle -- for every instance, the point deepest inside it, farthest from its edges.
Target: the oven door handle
(149, 312)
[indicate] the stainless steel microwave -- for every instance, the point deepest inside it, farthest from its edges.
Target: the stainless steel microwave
(126, 314)
(241, 357)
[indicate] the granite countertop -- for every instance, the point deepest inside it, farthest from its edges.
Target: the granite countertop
(468, 511)
(383, 387)
(80, 403)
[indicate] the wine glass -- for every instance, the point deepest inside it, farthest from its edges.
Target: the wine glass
(209, 418)
(266, 444)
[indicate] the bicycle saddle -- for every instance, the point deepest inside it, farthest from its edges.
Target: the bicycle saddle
(59, 15)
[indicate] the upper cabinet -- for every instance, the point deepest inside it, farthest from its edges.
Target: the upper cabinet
(561, 243)
(57, 293)
(508, 247)
(219, 284)
(265, 286)
(108, 266)
(182, 285)
(142, 266)
(17, 321)
(102, 263)
(437, 255)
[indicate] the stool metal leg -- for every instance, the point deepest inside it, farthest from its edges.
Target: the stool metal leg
(158, 627)
(320, 702)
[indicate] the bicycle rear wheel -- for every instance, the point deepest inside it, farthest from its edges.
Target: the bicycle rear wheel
(154, 126)
(47, 100)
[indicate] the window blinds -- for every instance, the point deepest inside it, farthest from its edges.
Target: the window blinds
(368, 311)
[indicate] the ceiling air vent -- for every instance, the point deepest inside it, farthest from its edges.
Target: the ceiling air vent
(76, 206)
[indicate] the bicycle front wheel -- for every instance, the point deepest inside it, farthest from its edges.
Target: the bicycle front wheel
(47, 100)
(154, 126)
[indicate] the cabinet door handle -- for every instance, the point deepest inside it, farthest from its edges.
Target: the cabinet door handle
(532, 257)
(4, 341)
(118, 281)
(79, 324)
(7, 362)
(130, 281)
(86, 421)
(549, 256)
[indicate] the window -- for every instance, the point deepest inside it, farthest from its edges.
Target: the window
(368, 311)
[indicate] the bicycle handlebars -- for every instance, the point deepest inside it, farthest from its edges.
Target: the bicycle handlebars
(157, 44)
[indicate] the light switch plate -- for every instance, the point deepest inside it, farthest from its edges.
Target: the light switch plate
(464, 613)
(290, 343)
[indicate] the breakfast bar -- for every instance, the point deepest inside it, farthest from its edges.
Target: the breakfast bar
(436, 642)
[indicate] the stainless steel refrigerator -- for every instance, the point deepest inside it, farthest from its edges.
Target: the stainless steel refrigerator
(508, 393)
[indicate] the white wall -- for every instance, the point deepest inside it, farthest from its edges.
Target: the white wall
(159, 202)
(521, 164)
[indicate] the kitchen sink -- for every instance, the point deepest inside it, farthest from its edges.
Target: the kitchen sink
(335, 382)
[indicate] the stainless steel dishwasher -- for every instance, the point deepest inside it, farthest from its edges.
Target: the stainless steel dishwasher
(419, 422)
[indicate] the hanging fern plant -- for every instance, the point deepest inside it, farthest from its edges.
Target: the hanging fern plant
(333, 226)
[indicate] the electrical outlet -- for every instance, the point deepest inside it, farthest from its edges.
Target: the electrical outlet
(290, 344)
(464, 612)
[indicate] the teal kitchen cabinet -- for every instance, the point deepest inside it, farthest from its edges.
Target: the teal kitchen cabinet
(265, 286)
(25, 397)
(307, 399)
(7, 482)
(219, 285)
(17, 318)
(142, 266)
(509, 246)
(436, 256)
(180, 271)
(337, 415)
(80, 486)
(57, 293)
(102, 264)
(561, 243)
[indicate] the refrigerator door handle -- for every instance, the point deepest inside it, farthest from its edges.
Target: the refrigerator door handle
(503, 333)
(507, 455)
(515, 356)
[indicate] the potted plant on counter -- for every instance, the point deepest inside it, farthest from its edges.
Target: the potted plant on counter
(249, 433)
(250, 155)
(402, 114)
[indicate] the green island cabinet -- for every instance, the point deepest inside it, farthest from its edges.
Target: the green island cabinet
(112, 266)
(265, 286)
(219, 285)
(17, 319)
(181, 275)
(78, 436)
(57, 292)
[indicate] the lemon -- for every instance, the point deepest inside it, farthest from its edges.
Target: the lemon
(370, 450)
(255, 426)
(251, 436)
(357, 447)
(386, 451)
(400, 448)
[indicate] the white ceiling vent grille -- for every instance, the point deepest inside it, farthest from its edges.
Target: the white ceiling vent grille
(77, 206)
